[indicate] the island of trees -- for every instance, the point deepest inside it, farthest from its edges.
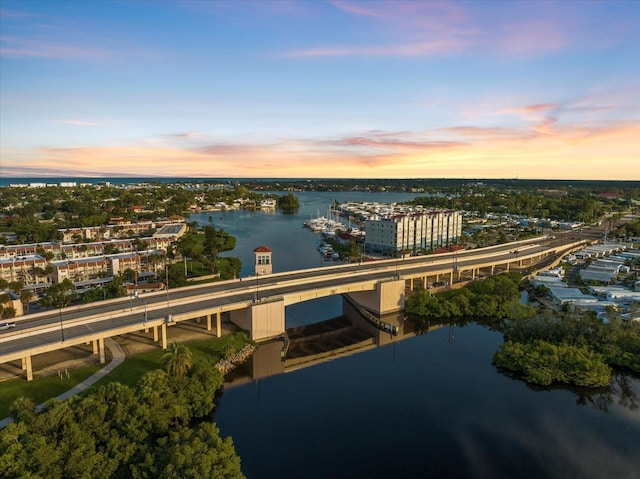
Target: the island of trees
(541, 346)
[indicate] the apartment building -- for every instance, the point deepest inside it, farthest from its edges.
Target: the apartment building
(95, 270)
(28, 269)
(416, 231)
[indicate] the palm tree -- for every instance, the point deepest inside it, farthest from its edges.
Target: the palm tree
(25, 298)
(177, 360)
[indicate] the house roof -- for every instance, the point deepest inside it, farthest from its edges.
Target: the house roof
(262, 249)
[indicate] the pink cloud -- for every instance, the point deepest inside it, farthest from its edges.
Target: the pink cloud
(534, 36)
(358, 8)
(436, 47)
(543, 150)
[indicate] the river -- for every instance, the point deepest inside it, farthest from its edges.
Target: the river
(431, 406)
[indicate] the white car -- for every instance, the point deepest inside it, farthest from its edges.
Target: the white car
(4, 326)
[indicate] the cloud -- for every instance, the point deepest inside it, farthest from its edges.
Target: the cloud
(551, 149)
(517, 31)
(437, 47)
(75, 122)
(533, 36)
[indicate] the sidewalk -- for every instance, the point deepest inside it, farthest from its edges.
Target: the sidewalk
(118, 357)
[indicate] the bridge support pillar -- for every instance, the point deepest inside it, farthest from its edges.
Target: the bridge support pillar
(218, 325)
(28, 367)
(101, 347)
(386, 297)
(209, 321)
(164, 335)
(24, 364)
(263, 319)
(155, 334)
(94, 346)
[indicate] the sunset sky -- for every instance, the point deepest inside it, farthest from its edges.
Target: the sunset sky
(320, 89)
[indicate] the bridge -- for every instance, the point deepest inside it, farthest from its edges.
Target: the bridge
(257, 304)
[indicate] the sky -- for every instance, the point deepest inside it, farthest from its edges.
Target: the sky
(320, 89)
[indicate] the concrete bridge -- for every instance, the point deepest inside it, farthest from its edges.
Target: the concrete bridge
(257, 304)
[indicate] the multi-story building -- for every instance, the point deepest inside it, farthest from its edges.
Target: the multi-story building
(84, 250)
(96, 270)
(30, 270)
(418, 231)
(120, 229)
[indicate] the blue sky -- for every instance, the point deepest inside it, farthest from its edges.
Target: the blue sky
(320, 89)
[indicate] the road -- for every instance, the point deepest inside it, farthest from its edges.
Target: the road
(72, 324)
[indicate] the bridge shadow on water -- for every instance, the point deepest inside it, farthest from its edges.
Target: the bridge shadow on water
(304, 346)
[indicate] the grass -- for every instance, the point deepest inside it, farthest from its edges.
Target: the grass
(128, 373)
(133, 367)
(41, 388)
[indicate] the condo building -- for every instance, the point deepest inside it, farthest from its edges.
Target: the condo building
(414, 232)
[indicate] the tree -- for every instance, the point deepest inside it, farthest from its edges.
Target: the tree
(177, 360)
(288, 202)
(25, 298)
(16, 286)
(209, 245)
(22, 409)
(6, 311)
(60, 295)
(195, 452)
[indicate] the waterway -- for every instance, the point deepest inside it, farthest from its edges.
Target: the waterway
(430, 406)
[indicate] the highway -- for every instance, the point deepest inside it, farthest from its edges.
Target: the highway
(34, 333)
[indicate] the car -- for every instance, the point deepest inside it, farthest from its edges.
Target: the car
(5, 325)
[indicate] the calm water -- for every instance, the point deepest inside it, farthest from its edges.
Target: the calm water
(428, 406)
(294, 247)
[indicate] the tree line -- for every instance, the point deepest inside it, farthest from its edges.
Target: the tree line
(541, 346)
(160, 428)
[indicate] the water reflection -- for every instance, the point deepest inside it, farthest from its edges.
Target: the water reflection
(622, 389)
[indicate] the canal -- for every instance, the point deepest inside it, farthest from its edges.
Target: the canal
(427, 406)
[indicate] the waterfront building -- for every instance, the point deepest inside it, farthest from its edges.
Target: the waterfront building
(263, 263)
(415, 231)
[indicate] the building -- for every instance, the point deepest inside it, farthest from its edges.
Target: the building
(416, 231)
(30, 270)
(263, 264)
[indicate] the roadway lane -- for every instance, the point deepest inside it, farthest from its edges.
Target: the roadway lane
(78, 322)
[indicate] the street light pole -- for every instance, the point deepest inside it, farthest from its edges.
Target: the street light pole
(166, 275)
(61, 327)
(257, 276)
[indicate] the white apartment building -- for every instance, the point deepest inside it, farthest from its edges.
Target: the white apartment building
(413, 231)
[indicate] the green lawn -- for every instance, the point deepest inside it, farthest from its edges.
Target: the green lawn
(129, 372)
(134, 367)
(41, 388)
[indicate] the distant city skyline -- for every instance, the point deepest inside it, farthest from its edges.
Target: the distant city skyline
(320, 89)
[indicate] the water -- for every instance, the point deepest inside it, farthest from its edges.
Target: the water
(294, 247)
(424, 407)
(428, 406)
